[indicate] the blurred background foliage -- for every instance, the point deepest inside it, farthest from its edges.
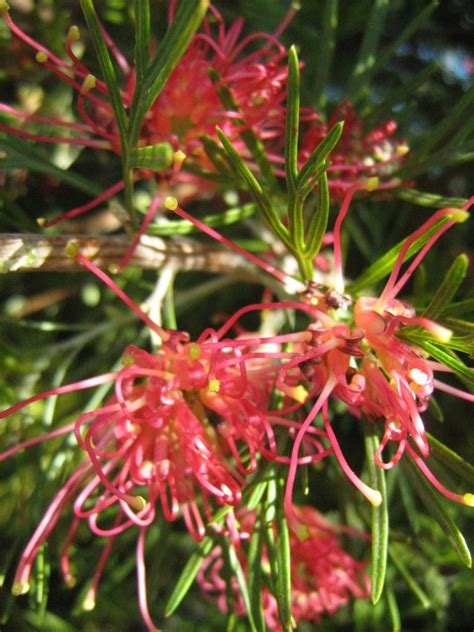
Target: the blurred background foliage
(57, 328)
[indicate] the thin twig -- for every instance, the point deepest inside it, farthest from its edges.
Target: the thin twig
(21, 253)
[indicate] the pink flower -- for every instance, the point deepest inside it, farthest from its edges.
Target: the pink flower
(359, 153)
(186, 424)
(351, 351)
(188, 108)
(324, 577)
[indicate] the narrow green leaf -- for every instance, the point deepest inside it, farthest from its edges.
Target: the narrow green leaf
(251, 140)
(260, 197)
(319, 221)
(430, 200)
(292, 119)
(436, 135)
(414, 586)
(459, 324)
(435, 409)
(449, 359)
(170, 50)
(242, 583)
(383, 266)
(368, 50)
(432, 502)
(457, 309)
(408, 502)
(448, 287)
(451, 459)
(142, 39)
(379, 522)
(255, 572)
(188, 575)
(19, 154)
(283, 559)
(437, 159)
(382, 59)
(401, 94)
(319, 155)
(313, 180)
(155, 157)
(393, 610)
(256, 495)
(108, 71)
(325, 50)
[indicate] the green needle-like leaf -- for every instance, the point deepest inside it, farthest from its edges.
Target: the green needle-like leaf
(431, 501)
(142, 39)
(325, 50)
(319, 155)
(188, 575)
(448, 287)
(430, 200)
(239, 574)
(384, 264)
(436, 135)
(292, 119)
(255, 572)
(259, 195)
(319, 221)
(452, 460)
(172, 47)
(379, 522)
(283, 559)
(108, 71)
(381, 61)
(16, 153)
(414, 586)
(368, 50)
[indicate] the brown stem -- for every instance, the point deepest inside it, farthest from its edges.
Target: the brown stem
(21, 253)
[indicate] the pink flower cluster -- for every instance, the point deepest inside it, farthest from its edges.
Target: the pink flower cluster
(191, 105)
(324, 577)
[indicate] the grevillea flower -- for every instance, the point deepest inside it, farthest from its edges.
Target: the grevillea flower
(188, 108)
(324, 577)
(184, 427)
(359, 153)
(353, 352)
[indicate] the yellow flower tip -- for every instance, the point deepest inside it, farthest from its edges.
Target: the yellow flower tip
(72, 249)
(468, 500)
(295, 5)
(137, 502)
(298, 393)
(442, 334)
(89, 603)
(20, 588)
(459, 215)
(41, 57)
(4, 6)
(89, 84)
(41, 221)
(194, 351)
(214, 385)
(127, 360)
(403, 150)
(371, 184)
(74, 33)
(302, 532)
(114, 268)
(178, 158)
(171, 203)
(70, 581)
(373, 496)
